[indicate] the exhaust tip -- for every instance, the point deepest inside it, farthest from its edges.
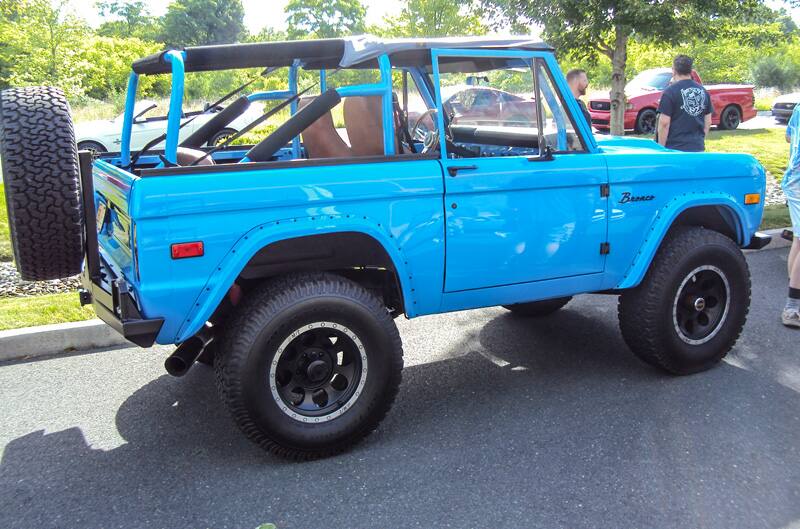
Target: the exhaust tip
(176, 366)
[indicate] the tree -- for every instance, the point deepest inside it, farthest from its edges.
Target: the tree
(42, 46)
(434, 18)
(585, 29)
(130, 19)
(324, 18)
(200, 22)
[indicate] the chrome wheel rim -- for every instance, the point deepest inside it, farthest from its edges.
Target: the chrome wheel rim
(701, 305)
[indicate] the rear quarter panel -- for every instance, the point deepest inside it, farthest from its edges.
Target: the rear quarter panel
(237, 212)
(673, 182)
(723, 96)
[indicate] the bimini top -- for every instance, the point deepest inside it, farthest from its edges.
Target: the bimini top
(350, 52)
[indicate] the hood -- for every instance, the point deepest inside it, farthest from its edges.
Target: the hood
(788, 98)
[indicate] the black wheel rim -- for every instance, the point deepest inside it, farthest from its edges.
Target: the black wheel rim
(648, 123)
(701, 305)
(318, 372)
(732, 119)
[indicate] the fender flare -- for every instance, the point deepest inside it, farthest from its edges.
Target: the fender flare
(732, 211)
(237, 257)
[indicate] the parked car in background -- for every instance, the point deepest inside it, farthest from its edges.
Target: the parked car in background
(784, 105)
(105, 135)
(733, 104)
(482, 105)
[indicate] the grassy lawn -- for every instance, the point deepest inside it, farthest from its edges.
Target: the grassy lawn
(776, 216)
(5, 240)
(767, 145)
(42, 310)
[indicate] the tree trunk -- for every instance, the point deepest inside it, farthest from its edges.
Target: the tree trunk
(619, 61)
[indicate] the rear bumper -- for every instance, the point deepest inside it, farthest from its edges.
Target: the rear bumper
(108, 294)
(758, 241)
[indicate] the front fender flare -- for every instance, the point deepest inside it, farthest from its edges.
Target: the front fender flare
(663, 222)
(232, 264)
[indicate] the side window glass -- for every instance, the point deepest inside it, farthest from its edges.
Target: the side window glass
(558, 129)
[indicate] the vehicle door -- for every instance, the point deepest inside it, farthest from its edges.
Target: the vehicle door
(522, 203)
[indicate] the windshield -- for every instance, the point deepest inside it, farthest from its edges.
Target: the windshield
(651, 80)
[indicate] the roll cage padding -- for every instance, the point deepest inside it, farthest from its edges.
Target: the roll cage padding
(304, 117)
(221, 120)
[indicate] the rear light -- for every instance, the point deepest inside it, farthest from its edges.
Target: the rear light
(187, 249)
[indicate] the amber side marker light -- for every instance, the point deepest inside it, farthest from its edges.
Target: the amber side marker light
(752, 198)
(187, 249)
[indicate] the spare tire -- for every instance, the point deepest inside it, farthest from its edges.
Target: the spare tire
(40, 172)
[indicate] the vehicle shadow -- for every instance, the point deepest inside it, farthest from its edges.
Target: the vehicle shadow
(528, 423)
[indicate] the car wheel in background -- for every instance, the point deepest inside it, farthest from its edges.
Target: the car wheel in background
(730, 118)
(646, 121)
(93, 147)
(692, 304)
(309, 365)
(538, 308)
(220, 137)
(40, 169)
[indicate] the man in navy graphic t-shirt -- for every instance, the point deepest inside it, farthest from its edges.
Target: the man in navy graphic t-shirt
(685, 110)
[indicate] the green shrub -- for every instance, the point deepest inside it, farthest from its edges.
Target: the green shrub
(770, 71)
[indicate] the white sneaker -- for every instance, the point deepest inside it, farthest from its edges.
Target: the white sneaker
(791, 318)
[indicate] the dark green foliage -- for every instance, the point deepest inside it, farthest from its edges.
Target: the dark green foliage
(318, 19)
(202, 22)
(772, 71)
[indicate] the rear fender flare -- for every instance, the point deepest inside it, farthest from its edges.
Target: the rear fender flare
(732, 212)
(232, 264)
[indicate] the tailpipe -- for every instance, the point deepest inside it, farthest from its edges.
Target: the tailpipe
(178, 363)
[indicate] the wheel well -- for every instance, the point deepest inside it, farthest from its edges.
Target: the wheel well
(734, 105)
(354, 255)
(716, 218)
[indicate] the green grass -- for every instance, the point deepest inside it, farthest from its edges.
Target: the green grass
(764, 102)
(767, 145)
(5, 238)
(19, 312)
(775, 216)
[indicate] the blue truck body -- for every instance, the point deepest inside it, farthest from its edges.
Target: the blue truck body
(504, 230)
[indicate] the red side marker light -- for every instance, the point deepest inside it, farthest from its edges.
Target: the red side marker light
(187, 249)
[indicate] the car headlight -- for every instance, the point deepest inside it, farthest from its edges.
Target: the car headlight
(629, 106)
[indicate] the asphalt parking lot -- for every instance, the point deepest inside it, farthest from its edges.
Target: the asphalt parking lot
(500, 423)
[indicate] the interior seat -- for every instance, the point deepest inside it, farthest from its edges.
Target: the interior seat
(364, 122)
(185, 156)
(320, 139)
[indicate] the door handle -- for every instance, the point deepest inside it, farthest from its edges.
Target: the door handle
(454, 169)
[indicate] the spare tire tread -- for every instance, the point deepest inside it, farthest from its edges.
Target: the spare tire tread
(40, 172)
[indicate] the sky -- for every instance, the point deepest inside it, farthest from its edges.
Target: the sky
(262, 13)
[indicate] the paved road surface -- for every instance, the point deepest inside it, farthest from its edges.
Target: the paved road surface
(500, 423)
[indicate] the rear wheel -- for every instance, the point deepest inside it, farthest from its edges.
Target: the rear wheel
(93, 147)
(646, 121)
(309, 365)
(538, 308)
(691, 306)
(40, 169)
(220, 137)
(730, 118)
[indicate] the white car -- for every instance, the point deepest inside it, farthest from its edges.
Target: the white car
(104, 135)
(784, 105)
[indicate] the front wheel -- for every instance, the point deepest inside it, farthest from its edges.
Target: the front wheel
(692, 304)
(309, 365)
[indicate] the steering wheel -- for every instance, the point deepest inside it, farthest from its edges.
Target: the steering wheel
(421, 132)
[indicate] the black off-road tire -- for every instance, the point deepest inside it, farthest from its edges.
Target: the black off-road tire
(646, 121)
(538, 308)
(264, 322)
(648, 314)
(730, 119)
(40, 173)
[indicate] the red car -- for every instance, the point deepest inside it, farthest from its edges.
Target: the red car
(733, 104)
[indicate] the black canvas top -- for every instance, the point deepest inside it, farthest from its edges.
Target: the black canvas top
(350, 52)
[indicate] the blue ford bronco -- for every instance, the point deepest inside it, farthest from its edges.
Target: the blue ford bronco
(284, 263)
